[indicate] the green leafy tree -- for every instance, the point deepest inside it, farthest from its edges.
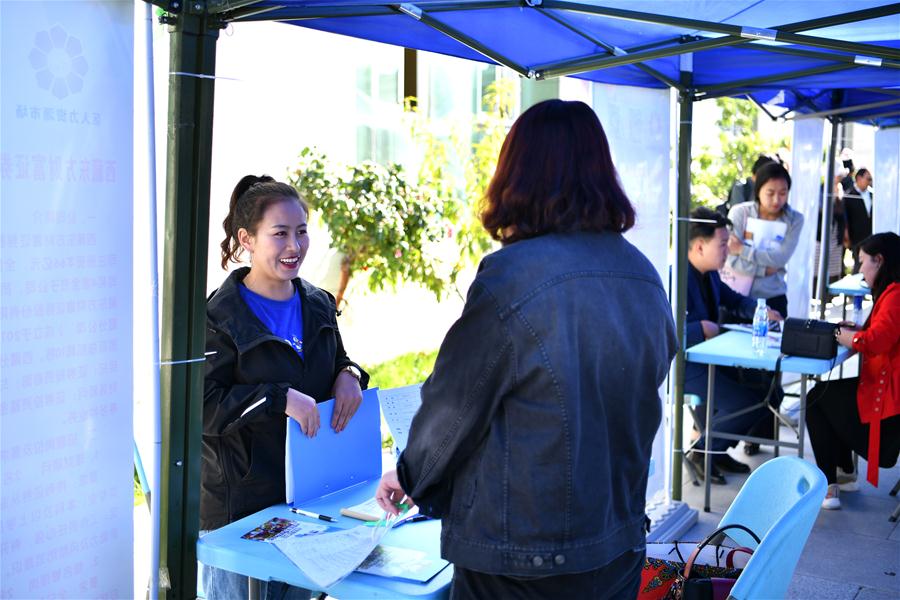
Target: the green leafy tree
(379, 221)
(714, 172)
(458, 166)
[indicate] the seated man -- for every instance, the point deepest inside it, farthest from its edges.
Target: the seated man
(707, 250)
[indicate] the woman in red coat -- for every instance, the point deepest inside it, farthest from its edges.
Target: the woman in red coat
(870, 425)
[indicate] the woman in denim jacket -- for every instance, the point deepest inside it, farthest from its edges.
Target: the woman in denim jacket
(534, 437)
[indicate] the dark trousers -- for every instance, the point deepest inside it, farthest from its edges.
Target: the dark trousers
(731, 396)
(619, 579)
(835, 430)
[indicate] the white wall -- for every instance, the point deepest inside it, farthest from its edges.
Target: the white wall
(66, 444)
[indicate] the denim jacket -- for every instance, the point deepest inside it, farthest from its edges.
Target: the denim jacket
(534, 437)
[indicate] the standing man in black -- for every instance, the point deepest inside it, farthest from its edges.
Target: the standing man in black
(858, 212)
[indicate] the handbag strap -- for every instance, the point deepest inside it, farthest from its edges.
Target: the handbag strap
(729, 558)
(710, 538)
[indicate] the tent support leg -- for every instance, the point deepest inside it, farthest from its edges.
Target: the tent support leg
(183, 331)
(679, 272)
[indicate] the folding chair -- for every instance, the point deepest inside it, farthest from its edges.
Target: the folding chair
(779, 502)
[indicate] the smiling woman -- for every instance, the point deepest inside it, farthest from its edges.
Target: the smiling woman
(274, 349)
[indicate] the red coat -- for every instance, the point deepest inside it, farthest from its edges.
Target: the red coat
(878, 396)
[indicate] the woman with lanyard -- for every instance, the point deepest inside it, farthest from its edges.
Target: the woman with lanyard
(764, 236)
(274, 352)
(862, 414)
(765, 260)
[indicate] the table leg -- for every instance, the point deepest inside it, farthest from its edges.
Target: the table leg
(843, 318)
(801, 419)
(707, 457)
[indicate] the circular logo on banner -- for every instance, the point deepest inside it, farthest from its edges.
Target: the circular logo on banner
(58, 62)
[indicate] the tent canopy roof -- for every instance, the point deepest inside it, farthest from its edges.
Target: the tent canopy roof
(737, 47)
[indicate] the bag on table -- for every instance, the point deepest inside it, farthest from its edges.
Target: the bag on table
(809, 338)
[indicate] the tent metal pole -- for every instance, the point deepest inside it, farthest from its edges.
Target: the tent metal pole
(679, 272)
(827, 209)
(738, 33)
(848, 109)
(761, 106)
(754, 81)
(426, 19)
(612, 50)
(714, 27)
(595, 62)
(223, 6)
(829, 56)
(192, 53)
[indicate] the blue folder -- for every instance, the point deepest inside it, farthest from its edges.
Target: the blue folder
(331, 462)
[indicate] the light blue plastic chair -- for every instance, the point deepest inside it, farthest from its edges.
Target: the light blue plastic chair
(779, 502)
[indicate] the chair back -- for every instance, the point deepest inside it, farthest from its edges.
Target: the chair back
(779, 502)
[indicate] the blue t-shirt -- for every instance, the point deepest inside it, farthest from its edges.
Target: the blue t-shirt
(283, 317)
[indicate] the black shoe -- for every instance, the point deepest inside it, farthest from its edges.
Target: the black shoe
(715, 476)
(726, 463)
(751, 448)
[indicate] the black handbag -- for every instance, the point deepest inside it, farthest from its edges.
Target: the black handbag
(809, 338)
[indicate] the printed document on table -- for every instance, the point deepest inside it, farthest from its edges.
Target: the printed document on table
(329, 557)
(765, 235)
(399, 406)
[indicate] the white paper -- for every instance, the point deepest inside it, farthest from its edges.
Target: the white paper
(765, 235)
(329, 557)
(399, 406)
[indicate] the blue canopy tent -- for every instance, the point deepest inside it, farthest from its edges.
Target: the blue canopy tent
(800, 49)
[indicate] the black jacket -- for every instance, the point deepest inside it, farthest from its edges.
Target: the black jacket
(697, 311)
(859, 221)
(243, 442)
(534, 437)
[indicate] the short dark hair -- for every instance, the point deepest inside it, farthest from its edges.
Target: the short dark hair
(251, 197)
(887, 245)
(761, 160)
(704, 222)
(768, 172)
(555, 174)
(861, 173)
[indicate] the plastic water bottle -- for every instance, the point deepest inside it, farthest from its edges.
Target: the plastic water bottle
(760, 327)
(857, 310)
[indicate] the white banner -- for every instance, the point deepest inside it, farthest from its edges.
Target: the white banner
(66, 499)
(806, 198)
(886, 181)
(637, 124)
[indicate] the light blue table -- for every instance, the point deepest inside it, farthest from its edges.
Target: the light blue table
(850, 285)
(735, 349)
(225, 549)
